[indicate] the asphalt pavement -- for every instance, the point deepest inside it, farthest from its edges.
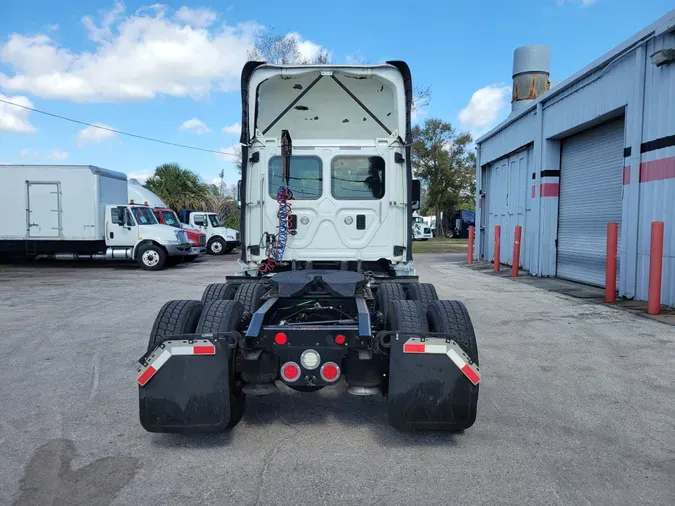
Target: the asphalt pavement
(576, 406)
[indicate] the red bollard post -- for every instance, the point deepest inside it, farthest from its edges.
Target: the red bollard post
(655, 268)
(498, 232)
(469, 254)
(610, 263)
(516, 252)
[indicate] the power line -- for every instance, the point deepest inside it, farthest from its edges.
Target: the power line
(117, 131)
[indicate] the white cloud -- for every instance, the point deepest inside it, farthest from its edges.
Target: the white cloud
(142, 176)
(29, 153)
(234, 128)
(94, 135)
(15, 119)
(57, 155)
(308, 50)
(196, 126)
(581, 3)
(230, 154)
(196, 17)
(137, 57)
(485, 108)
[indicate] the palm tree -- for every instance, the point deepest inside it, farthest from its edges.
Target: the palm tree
(177, 186)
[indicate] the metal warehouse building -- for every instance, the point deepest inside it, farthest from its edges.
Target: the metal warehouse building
(594, 149)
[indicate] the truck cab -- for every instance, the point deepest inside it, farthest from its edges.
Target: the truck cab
(421, 230)
(133, 232)
(197, 240)
(219, 239)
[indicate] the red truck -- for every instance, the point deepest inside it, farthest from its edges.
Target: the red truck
(166, 216)
(197, 240)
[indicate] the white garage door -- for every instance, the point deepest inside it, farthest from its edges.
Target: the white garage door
(591, 189)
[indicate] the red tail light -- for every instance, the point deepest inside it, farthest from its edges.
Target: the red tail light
(330, 372)
(340, 339)
(290, 372)
(280, 338)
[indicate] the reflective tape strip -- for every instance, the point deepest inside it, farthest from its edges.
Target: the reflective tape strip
(464, 366)
(439, 346)
(170, 349)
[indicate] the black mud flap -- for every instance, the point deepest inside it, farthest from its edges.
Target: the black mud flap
(184, 385)
(433, 385)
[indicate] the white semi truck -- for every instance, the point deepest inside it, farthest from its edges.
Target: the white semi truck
(326, 290)
(71, 212)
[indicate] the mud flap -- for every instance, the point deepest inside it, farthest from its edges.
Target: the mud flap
(433, 384)
(184, 387)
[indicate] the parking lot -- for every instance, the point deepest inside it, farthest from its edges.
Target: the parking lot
(577, 405)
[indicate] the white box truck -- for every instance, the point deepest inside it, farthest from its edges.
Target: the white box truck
(70, 212)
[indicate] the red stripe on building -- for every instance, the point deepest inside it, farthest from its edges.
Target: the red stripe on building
(534, 191)
(626, 175)
(657, 170)
(549, 189)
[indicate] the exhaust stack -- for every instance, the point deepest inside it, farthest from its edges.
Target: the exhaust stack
(531, 69)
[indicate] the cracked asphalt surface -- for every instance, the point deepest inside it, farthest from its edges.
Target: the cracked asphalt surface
(577, 405)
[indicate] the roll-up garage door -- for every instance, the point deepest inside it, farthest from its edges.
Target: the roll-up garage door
(591, 190)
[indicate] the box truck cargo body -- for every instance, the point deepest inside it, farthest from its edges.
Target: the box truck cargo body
(80, 211)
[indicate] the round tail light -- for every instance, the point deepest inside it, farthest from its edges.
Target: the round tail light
(280, 338)
(330, 372)
(290, 372)
(340, 339)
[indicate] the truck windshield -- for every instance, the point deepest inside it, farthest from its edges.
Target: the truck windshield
(144, 215)
(170, 219)
(214, 220)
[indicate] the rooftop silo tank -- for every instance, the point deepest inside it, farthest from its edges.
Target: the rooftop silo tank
(531, 69)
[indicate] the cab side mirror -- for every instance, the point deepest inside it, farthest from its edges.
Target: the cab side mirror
(416, 194)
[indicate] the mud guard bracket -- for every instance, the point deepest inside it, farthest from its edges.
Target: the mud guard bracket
(427, 387)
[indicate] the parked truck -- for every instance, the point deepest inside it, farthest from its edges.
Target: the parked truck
(219, 238)
(327, 289)
(167, 216)
(71, 212)
(421, 230)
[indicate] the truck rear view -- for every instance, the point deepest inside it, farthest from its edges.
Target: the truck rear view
(327, 290)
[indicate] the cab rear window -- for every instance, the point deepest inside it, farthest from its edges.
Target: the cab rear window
(357, 177)
(304, 180)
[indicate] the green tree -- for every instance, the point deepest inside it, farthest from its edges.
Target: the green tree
(178, 187)
(442, 159)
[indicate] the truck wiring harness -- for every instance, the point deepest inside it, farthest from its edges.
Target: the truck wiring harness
(276, 245)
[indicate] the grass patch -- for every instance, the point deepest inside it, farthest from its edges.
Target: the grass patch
(440, 245)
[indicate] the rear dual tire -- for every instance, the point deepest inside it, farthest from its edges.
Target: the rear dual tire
(191, 316)
(441, 316)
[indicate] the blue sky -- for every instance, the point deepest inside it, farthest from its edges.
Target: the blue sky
(149, 70)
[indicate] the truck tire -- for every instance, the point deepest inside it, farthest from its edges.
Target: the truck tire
(451, 317)
(406, 316)
(216, 246)
(250, 295)
(151, 257)
(424, 293)
(385, 295)
(175, 317)
(219, 291)
(225, 316)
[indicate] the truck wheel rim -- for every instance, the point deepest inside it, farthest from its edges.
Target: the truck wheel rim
(216, 247)
(150, 258)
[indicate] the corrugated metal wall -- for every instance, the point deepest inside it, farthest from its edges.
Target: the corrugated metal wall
(612, 90)
(657, 172)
